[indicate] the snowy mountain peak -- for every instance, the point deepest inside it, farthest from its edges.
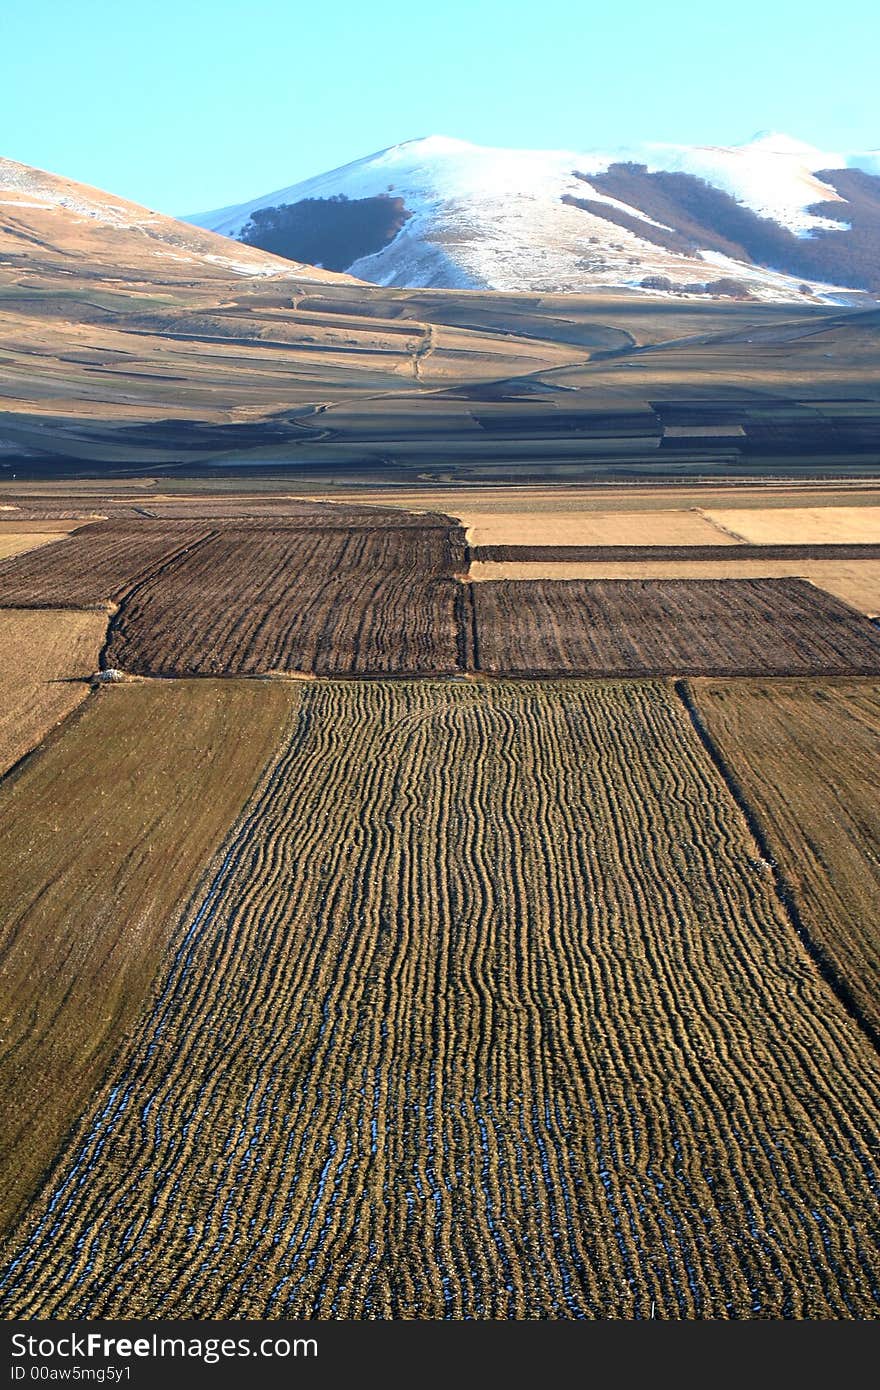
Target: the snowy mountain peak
(755, 219)
(777, 142)
(437, 145)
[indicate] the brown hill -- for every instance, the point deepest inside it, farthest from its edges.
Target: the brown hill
(51, 222)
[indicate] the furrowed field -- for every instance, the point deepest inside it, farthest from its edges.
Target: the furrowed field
(489, 1006)
(94, 566)
(606, 627)
(338, 601)
(104, 834)
(805, 755)
(520, 962)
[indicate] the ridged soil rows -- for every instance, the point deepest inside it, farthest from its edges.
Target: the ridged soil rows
(487, 1008)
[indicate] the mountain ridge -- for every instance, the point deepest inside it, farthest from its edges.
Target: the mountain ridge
(478, 217)
(42, 208)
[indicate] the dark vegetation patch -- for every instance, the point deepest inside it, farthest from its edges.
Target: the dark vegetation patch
(705, 218)
(328, 232)
(726, 286)
(857, 249)
(658, 236)
(634, 627)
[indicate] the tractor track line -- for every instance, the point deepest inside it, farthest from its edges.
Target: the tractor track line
(784, 890)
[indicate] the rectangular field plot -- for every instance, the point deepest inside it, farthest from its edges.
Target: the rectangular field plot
(806, 755)
(487, 1008)
(20, 542)
(856, 582)
(104, 834)
(96, 565)
(800, 525)
(295, 512)
(46, 658)
(353, 602)
(668, 627)
(13, 525)
(682, 528)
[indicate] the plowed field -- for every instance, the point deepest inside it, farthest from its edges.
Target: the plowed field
(646, 554)
(855, 582)
(806, 755)
(353, 602)
(104, 833)
(487, 1008)
(668, 626)
(96, 565)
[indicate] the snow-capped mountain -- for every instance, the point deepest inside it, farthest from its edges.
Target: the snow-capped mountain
(774, 218)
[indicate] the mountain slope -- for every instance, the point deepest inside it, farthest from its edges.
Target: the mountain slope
(780, 218)
(128, 337)
(132, 343)
(49, 220)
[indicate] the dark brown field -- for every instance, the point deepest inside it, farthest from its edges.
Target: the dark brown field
(356, 602)
(102, 561)
(293, 512)
(587, 554)
(668, 627)
(96, 565)
(249, 596)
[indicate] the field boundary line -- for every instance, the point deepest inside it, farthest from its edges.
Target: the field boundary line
(784, 891)
(167, 562)
(57, 731)
(187, 916)
(719, 526)
(690, 554)
(475, 630)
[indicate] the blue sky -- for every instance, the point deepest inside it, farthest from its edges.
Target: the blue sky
(189, 104)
